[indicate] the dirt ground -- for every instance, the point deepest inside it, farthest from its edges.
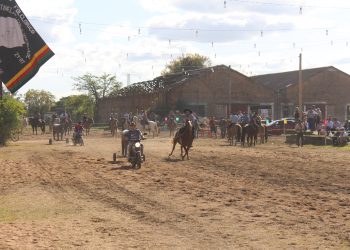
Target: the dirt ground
(272, 196)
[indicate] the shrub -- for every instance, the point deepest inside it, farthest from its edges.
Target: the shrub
(10, 112)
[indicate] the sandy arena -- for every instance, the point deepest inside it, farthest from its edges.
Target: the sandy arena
(272, 196)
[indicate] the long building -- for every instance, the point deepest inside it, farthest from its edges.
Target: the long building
(219, 90)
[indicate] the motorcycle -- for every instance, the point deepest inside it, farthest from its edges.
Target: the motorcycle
(136, 157)
(77, 139)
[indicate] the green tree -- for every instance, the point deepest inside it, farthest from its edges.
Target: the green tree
(97, 87)
(188, 62)
(38, 101)
(77, 105)
(11, 111)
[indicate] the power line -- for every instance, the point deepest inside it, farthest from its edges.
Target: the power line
(291, 4)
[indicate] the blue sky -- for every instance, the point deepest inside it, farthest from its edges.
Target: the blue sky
(139, 37)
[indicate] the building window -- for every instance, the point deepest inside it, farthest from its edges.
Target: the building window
(347, 112)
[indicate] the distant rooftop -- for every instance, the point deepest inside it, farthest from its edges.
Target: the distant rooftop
(284, 79)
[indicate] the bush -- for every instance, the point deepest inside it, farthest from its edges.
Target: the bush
(10, 112)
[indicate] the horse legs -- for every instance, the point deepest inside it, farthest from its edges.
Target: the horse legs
(174, 144)
(182, 155)
(186, 152)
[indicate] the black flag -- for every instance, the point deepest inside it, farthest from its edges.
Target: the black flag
(22, 50)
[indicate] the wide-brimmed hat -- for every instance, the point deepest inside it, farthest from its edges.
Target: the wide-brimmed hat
(188, 110)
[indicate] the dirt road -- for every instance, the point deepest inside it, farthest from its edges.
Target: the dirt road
(272, 196)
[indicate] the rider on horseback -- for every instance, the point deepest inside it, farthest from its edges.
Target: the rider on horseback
(256, 120)
(188, 116)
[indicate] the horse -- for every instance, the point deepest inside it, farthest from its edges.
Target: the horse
(249, 131)
(35, 123)
(234, 132)
(113, 125)
(151, 126)
(172, 126)
(196, 128)
(262, 134)
(124, 142)
(58, 128)
(87, 125)
(185, 139)
(67, 126)
(124, 123)
(42, 126)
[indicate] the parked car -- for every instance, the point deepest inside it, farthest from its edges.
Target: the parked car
(278, 127)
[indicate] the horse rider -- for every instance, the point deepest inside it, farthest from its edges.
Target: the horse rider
(133, 135)
(188, 116)
(144, 119)
(297, 114)
(171, 117)
(244, 119)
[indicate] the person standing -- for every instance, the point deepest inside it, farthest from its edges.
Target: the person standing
(299, 129)
(296, 114)
(212, 126)
(223, 127)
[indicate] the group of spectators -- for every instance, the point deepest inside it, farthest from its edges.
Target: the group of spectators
(312, 120)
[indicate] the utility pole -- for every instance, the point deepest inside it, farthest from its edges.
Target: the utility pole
(300, 84)
(230, 90)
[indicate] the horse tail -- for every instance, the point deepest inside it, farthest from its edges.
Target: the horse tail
(239, 132)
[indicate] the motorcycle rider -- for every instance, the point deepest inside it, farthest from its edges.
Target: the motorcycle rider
(78, 130)
(133, 135)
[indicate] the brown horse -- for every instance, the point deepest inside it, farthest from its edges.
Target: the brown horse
(67, 126)
(87, 125)
(234, 132)
(113, 126)
(262, 133)
(185, 138)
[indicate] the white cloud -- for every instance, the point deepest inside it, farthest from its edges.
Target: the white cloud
(52, 19)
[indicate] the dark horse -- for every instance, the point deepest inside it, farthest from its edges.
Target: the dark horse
(250, 131)
(234, 132)
(35, 122)
(58, 128)
(185, 139)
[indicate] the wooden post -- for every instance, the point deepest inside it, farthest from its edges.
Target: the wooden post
(1, 89)
(300, 84)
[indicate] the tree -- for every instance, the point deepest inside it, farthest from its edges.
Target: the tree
(39, 101)
(188, 62)
(10, 112)
(98, 87)
(77, 105)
